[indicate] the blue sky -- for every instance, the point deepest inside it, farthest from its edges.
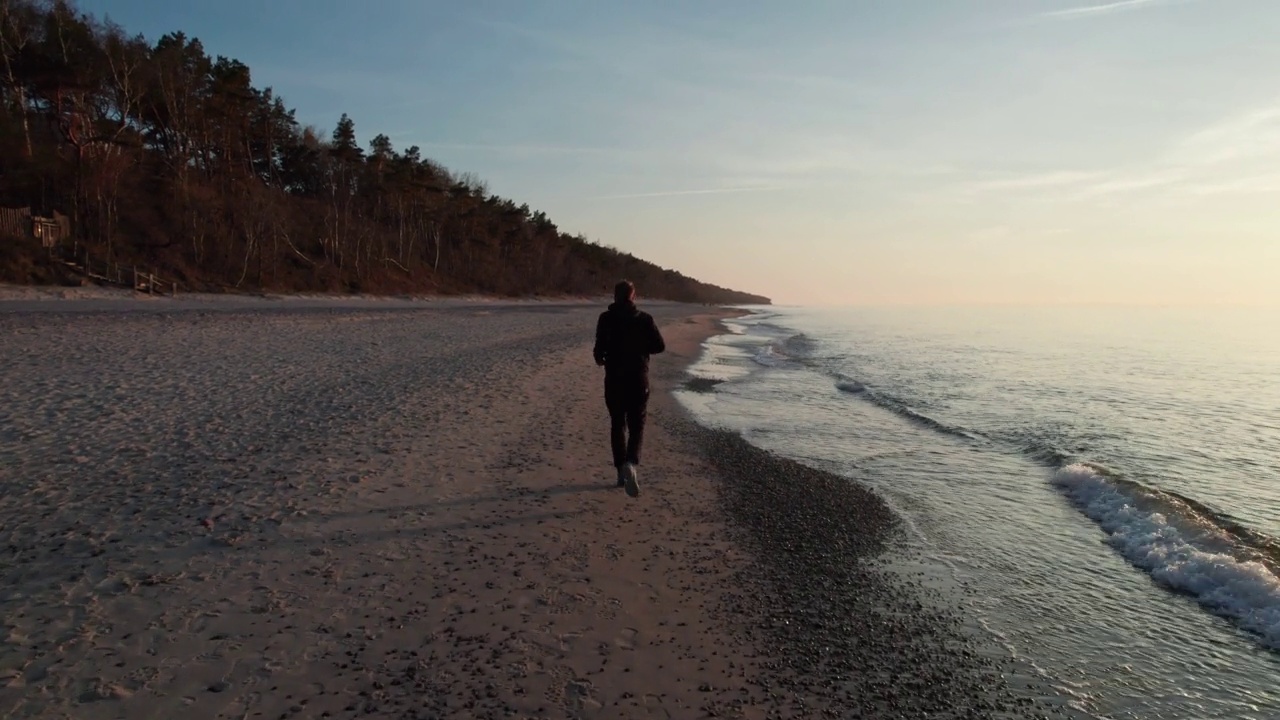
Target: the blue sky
(849, 152)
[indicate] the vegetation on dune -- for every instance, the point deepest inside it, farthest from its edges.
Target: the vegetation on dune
(165, 156)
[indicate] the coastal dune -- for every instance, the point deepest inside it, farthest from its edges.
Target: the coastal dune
(408, 511)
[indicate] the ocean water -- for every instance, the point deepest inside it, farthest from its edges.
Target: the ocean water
(1103, 484)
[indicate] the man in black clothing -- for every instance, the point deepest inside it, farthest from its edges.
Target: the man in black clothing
(625, 338)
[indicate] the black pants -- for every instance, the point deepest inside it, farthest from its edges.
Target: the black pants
(628, 405)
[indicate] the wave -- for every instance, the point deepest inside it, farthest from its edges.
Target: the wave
(1053, 445)
(1046, 452)
(1184, 546)
(800, 345)
(853, 387)
(769, 356)
(793, 348)
(761, 322)
(1256, 546)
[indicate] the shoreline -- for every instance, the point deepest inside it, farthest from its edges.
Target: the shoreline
(846, 629)
(845, 632)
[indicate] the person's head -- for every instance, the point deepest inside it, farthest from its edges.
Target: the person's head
(624, 292)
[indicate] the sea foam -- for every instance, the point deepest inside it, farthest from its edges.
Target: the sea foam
(1181, 548)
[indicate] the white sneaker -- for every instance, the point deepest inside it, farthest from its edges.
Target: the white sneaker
(632, 482)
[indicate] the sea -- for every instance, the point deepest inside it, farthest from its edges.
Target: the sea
(1099, 486)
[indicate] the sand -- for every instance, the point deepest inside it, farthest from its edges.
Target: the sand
(407, 510)
(399, 513)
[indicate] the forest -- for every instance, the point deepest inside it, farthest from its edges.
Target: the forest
(163, 155)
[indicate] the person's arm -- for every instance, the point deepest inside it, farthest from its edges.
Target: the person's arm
(599, 350)
(656, 343)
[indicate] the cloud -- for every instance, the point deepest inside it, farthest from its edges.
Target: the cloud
(1251, 134)
(518, 149)
(1076, 185)
(1234, 155)
(1103, 9)
(634, 50)
(1253, 185)
(677, 193)
(1130, 181)
(774, 155)
(1035, 181)
(815, 82)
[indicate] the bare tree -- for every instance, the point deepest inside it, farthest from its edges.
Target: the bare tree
(18, 28)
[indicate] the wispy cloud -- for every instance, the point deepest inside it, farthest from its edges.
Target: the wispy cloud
(814, 81)
(1102, 9)
(1251, 134)
(1127, 181)
(677, 193)
(1252, 185)
(1037, 181)
(1234, 155)
(636, 51)
(1074, 185)
(518, 149)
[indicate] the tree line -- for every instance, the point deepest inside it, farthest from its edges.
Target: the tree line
(163, 154)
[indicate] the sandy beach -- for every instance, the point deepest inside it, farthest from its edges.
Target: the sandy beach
(408, 511)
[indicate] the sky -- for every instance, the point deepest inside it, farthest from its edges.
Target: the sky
(864, 152)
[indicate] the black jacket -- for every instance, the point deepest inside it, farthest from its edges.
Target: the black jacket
(625, 338)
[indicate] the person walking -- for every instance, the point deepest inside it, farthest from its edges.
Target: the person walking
(625, 338)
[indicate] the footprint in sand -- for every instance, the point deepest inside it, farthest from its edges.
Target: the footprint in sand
(626, 639)
(650, 591)
(98, 690)
(567, 640)
(654, 708)
(579, 695)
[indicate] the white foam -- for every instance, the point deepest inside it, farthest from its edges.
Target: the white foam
(768, 356)
(1178, 552)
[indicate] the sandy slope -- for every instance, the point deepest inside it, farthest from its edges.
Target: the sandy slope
(349, 512)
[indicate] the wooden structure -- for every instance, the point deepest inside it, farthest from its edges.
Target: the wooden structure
(20, 223)
(114, 273)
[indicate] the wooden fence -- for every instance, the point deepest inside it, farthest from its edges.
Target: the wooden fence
(117, 274)
(15, 222)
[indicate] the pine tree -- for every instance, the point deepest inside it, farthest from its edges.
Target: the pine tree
(344, 147)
